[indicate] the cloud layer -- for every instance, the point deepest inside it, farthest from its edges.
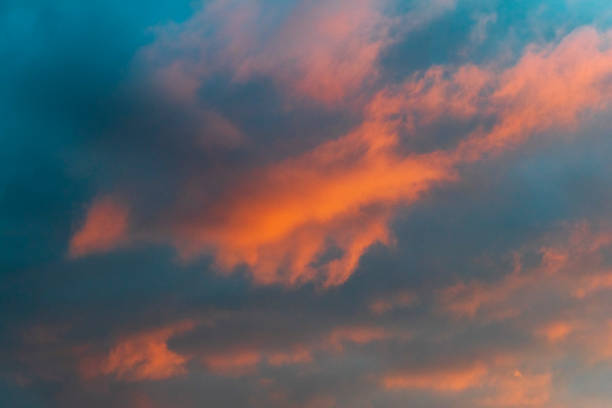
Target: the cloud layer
(306, 204)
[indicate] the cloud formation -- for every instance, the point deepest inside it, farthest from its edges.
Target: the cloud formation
(104, 228)
(326, 51)
(143, 356)
(306, 204)
(280, 219)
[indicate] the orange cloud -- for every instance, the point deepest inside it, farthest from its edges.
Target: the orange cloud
(140, 400)
(144, 356)
(519, 390)
(392, 301)
(281, 218)
(549, 88)
(344, 191)
(237, 362)
(242, 360)
(555, 331)
(592, 284)
(593, 338)
(571, 265)
(465, 300)
(296, 355)
(490, 382)
(284, 216)
(104, 228)
(438, 379)
(357, 335)
(233, 362)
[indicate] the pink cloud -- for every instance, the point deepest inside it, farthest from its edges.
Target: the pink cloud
(321, 50)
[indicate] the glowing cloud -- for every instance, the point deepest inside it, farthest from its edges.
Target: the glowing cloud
(284, 216)
(104, 228)
(144, 356)
(280, 219)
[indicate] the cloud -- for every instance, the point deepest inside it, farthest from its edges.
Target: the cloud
(549, 88)
(345, 190)
(238, 362)
(104, 228)
(445, 379)
(356, 335)
(520, 390)
(493, 380)
(321, 50)
(392, 301)
(143, 356)
(234, 362)
(571, 265)
(466, 300)
(430, 216)
(245, 358)
(555, 331)
(280, 219)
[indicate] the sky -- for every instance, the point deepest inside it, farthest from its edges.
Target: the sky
(306, 203)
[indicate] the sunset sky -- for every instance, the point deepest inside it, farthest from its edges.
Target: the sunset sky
(306, 204)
